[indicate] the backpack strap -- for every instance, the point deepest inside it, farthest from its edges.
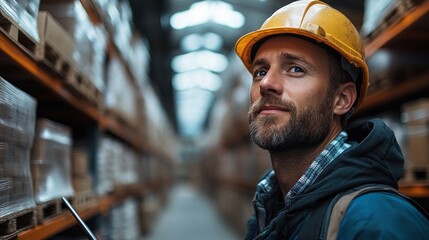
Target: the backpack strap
(340, 207)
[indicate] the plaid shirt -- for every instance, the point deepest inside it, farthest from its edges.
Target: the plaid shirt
(335, 148)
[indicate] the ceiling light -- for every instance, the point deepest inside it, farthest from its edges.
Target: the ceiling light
(198, 78)
(206, 11)
(205, 59)
(193, 42)
(192, 107)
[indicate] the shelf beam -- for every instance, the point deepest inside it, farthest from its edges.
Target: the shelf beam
(415, 189)
(415, 14)
(400, 90)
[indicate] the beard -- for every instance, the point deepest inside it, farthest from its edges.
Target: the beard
(306, 129)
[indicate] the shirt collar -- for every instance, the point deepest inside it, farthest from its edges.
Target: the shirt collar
(334, 148)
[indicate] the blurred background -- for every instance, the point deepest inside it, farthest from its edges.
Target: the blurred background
(136, 110)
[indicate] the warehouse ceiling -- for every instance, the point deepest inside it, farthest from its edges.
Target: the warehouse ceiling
(207, 38)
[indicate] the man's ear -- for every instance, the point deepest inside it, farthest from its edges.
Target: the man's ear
(346, 96)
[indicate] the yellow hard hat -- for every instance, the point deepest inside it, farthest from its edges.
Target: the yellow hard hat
(318, 21)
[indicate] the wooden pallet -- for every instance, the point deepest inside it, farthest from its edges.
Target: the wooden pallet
(83, 199)
(56, 45)
(55, 62)
(16, 34)
(416, 173)
(400, 9)
(49, 209)
(17, 222)
(115, 114)
(81, 85)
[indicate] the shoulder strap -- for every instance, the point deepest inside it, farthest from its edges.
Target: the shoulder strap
(340, 207)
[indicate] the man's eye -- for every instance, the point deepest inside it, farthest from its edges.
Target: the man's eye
(296, 69)
(260, 73)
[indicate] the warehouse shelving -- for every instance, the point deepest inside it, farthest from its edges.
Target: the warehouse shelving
(56, 85)
(58, 102)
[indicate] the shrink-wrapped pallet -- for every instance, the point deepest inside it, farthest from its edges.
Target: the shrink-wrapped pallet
(117, 17)
(23, 13)
(416, 117)
(116, 166)
(124, 106)
(82, 180)
(90, 40)
(17, 120)
(50, 161)
(122, 221)
(141, 59)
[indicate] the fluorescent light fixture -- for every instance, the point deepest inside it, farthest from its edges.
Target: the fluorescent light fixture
(193, 42)
(199, 78)
(205, 11)
(192, 107)
(205, 59)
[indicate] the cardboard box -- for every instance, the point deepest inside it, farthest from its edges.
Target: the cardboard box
(416, 116)
(54, 36)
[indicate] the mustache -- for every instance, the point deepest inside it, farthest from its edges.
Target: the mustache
(269, 99)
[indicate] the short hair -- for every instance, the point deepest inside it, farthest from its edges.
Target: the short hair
(338, 76)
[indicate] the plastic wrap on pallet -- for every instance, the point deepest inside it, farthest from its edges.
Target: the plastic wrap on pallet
(124, 30)
(122, 222)
(24, 13)
(118, 83)
(98, 42)
(17, 120)
(141, 59)
(116, 166)
(81, 177)
(50, 161)
(104, 169)
(117, 17)
(415, 114)
(102, 6)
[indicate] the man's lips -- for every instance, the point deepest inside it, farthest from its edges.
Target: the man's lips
(270, 109)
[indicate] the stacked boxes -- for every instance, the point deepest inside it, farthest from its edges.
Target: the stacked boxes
(56, 44)
(50, 161)
(82, 181)
(23, 13)
(90, 40)
(124, 106)
(116, 166)
(17, 119)
(416, 117)
(122, 221)
(117, 17)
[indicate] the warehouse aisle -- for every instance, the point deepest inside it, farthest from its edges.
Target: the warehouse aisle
(189, 215)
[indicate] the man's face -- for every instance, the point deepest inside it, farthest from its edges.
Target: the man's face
(290, 105)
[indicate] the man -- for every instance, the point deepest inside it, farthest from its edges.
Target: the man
(309, 76)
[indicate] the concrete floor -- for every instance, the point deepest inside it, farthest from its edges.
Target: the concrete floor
(189, 215)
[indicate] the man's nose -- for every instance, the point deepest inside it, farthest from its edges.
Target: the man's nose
(271, 83)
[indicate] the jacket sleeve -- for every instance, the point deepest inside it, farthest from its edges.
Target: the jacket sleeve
(252, 228)
(381, 215)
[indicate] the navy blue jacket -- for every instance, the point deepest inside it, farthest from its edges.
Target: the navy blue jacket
(374, 158)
